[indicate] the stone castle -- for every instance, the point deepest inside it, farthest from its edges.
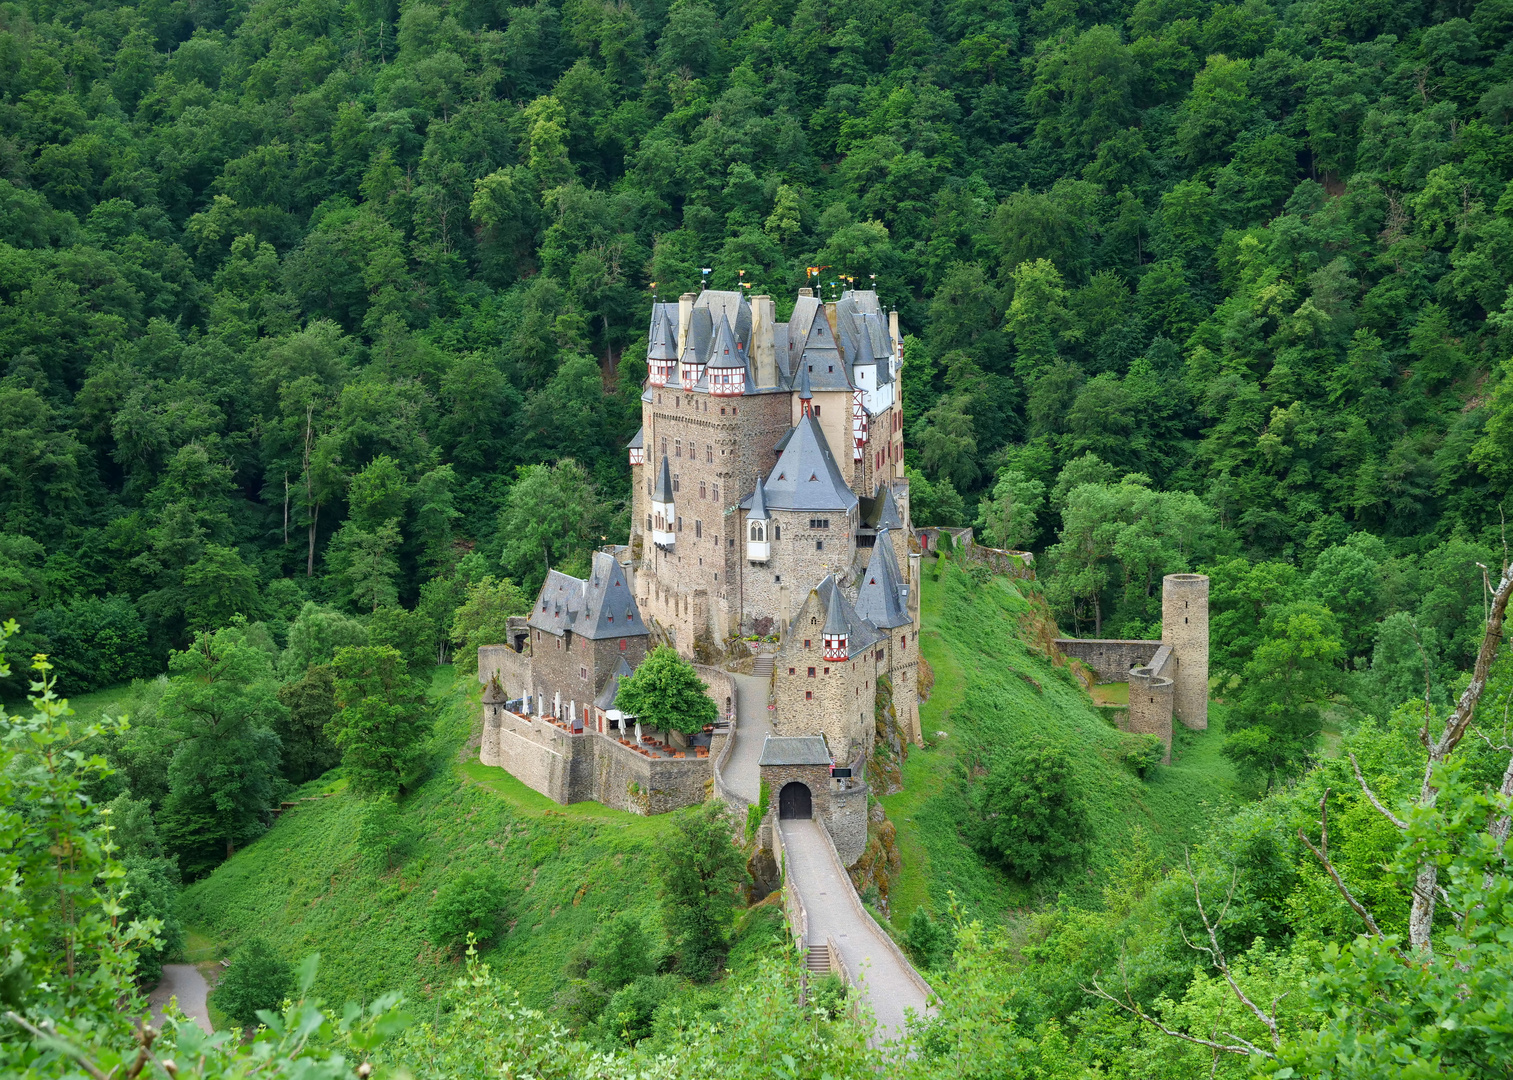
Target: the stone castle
(769, 502)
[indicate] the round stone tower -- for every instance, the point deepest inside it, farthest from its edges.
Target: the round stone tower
(1184, 626)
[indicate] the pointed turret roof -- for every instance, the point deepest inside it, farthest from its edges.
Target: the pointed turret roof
(758, 511)
(835, 622)
(889, 517)
(663, 343)
(727, 351)
(803, 384)
(861, 635)
(821, 358)
(806, 476)
(882, 600)
(663, 491)
(638, 440)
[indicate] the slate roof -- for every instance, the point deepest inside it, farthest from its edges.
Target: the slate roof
(606, 698)
(881, 511)
(795, 750)
(662, 493)
(806, 476)
(861, 635)
(638, 440)
(882, 598)
(758, 509)
(821, 358)
(600, 607)
(835, 622)
(662, 342)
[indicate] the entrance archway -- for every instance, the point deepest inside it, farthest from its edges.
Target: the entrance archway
(794, 802)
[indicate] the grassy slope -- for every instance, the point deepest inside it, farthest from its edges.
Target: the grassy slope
(970, 636)
(305, 887)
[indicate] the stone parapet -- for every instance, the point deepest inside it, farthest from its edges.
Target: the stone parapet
(1110, 659)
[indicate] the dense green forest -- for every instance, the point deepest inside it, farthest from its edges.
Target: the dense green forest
(322, 334)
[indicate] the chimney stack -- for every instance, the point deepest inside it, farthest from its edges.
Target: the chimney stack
(763, 341)
(685, 316)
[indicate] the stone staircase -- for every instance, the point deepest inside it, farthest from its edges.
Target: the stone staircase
(762, 667)
(818, 960)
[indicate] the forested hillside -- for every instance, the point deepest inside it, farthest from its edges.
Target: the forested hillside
(292, 290)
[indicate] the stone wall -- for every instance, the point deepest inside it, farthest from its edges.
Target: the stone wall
(839, 805)
(1110, 659)
(511, 668)
(1150, 699)
(775, 589)
(626, 780)
(1184, 626)
(836, 701)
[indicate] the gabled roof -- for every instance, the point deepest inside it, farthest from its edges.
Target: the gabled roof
(662, 493)
(821, 358)
(728, 352)
(882, 598)
(795, 750)
(606, 698)
(638, 440)
(700, 337)
(662, 344)
(806, 476)
(600, 607)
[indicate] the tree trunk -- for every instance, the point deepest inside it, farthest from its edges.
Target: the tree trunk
(310, 555)
(286, 508)
(1421, 914)
(1097, 616)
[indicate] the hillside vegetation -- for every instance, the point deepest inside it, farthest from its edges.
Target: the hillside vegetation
(305, 886)
(993, 690)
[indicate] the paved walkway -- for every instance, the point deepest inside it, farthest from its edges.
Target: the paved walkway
(184, 982)
(833, 910)
(753, 725)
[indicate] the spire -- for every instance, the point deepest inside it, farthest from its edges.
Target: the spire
(663, 491)
(835, 622)
(758, 511)
(664, 337)
(805, 396)
(889, 518)
(727, 353)
(836, 632)
(882, 597)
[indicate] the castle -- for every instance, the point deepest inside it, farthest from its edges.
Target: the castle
(769, 501)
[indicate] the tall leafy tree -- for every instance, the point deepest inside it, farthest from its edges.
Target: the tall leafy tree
(382, 723)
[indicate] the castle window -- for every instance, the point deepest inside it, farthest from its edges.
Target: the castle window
(709, 453)
(623, 644)
(680, 523)
(777, 579)
(722, 412)
(664, 445)
(832, 369)
(583, 673)
(811, 673)
(677, 482)
(648, 522)
(714, 492)
(777, 532)
(827, 671)
(703, 491)
(816, 412)
(698, 529)
(677, 448)
(758, 532)
(819, 523)
(809, 694)
(819, 545)
(809, 643)
(792, 671)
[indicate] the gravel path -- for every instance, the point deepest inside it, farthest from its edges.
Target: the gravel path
(834, 911)
(184, 982)
(753, 725)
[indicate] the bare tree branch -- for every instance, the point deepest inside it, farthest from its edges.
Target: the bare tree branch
(1322, 853)
(1131, 1006)
(1218, 954)
(1388, 814)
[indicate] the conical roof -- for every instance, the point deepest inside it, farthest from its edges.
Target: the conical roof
(663, 343)
(606, 698)
(889, 517)
(638, 440)
(803, 384)
(663, 491)
(758, 511)
(881, 600)
(727, 351)
(835, 622)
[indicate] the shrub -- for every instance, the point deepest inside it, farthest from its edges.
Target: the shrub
(1142, 752)
(471, 903)
(95, 643)
(700, 869)
(258, 979)
(828, 996)
(628, 1015)
(384, 834)
(1030, 815)
(924, 938)
(620, 953)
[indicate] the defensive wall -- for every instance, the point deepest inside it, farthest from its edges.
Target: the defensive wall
(1110, 659)
(840, 805)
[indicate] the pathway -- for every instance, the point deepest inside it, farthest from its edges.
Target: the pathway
(890, 986)
(184, 982)
(753, 725)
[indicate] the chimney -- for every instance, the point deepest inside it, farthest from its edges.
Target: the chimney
(806, 292)
(685, 315)
(831, 318)
(764, 366)
(893, 328)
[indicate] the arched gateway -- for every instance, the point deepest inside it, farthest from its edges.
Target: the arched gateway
(794, 801)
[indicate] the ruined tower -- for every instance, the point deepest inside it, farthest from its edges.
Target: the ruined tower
(1184, 627)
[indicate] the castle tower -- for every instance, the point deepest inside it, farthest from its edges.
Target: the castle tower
(664, 515)
(1184, 626)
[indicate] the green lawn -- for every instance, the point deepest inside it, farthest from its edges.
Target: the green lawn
(992, 691)
(306, 888)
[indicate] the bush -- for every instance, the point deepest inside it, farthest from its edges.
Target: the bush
(1030, 815)
(700, 869)
(628, 1015)
(95, 643)
(828, 996)
(384, 834)
(620, 953)
(925, 939)
(1141, 753)
(471, 903)
(258, 979)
